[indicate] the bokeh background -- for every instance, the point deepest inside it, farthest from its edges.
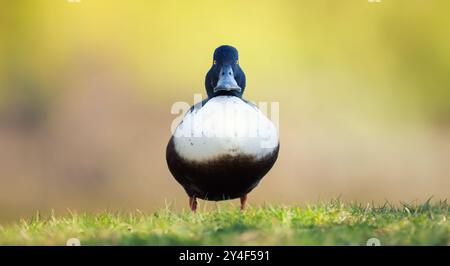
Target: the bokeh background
(86, 89)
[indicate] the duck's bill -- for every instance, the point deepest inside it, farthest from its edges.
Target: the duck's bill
(226, 80)
(217, 89)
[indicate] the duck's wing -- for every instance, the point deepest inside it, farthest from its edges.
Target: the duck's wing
(194, 108)
(174, 160)
(250, 103)
(197, 106)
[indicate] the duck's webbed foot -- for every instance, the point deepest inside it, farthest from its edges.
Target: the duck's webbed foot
(193, 203)
(243, 202)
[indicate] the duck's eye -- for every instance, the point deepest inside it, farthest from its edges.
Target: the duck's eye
(214, 62)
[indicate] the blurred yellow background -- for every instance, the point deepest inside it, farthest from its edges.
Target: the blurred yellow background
(86, 89)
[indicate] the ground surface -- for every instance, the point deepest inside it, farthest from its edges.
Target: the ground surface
(333, 223)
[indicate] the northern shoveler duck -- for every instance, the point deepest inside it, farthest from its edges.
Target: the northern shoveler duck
(224, 145)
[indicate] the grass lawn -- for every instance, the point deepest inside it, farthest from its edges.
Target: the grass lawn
(332, 223)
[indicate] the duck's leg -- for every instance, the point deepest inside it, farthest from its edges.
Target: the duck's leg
(243, 202)
(193, 203)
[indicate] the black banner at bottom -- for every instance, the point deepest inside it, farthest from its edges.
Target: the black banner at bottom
(223, 255)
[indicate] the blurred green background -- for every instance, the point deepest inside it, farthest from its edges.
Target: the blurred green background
(86, 89)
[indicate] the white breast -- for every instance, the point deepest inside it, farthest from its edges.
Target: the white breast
(225, 125)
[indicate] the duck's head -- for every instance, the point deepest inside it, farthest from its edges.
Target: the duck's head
(225, 76)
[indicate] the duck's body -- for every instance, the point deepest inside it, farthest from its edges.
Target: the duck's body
(224, 145)
(213, 152)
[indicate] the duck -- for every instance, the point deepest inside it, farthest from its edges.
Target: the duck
(225, 144)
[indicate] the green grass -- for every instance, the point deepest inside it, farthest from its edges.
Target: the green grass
(333, 223)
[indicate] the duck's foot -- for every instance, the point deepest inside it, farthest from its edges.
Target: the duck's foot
(193, 203)
(243, 202)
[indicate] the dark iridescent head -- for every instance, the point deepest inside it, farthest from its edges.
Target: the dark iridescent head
(225, 76)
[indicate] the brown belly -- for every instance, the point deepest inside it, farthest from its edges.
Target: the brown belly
(220, 178)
